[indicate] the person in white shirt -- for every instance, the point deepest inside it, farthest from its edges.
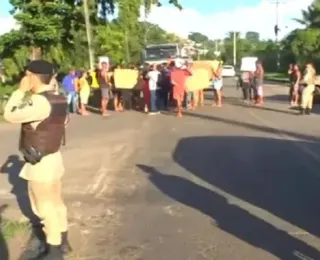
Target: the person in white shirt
(153, 77)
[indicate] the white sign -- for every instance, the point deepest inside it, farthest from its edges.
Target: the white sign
(248, 63)
(103, 59)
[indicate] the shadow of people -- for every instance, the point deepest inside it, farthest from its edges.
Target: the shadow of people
(272, 174)
(12, 168)
(257, 127)
(231, 218)
(4, 252)
(253, 106)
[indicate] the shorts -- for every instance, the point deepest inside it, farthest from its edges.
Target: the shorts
(106, 93)
(84, 97)
(217, 85)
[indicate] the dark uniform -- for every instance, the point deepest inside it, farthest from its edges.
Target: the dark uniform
(43, 116)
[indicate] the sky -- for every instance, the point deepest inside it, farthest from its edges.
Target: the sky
(213, 18)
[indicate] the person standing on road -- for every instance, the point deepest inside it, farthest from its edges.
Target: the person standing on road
(69, 87)
(217, 86)
(84, 92)
(104, 85)
(246, 86)
(178, 80)
(295, 85)
(42, 116)
(307, 92)
(258, 77)
(153, 80)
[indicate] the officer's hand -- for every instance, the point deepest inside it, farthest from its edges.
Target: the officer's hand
(25, 84)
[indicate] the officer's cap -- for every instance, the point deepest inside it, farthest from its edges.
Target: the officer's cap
(41, 67)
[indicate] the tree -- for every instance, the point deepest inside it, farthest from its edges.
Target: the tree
(198, 37)
(311, 16)
(253, 37)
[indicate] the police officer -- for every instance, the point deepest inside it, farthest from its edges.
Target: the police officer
(42, 116)
(309, 88)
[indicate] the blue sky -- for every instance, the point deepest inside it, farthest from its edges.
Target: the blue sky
(211, 17)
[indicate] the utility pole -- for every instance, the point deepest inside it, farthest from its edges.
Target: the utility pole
(276, 32)
(234, 49)
(89, 35)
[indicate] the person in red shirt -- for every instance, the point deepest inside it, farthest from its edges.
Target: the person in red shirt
(178, 80)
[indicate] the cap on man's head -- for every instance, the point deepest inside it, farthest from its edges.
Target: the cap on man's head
(41, 67)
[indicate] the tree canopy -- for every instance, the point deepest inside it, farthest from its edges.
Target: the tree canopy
(55, 29)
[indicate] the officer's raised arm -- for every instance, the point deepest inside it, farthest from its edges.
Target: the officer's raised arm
(22, 109)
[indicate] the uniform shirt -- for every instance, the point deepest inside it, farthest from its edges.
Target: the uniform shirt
(35, 109)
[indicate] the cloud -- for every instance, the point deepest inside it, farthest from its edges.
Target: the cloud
(7, 24)
(260, 18)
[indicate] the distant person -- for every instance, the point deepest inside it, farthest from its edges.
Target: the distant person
(258, 79)
(84, 93)
(246, 78)
(153, 80)
(103, 80)
(295, 85)
(217, 86)
(116, 93)
(307, 92)
(69, 87)
(178, 80)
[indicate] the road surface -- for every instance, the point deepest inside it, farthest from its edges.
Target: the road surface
(238, 182)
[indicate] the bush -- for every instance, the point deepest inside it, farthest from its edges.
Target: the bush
(7, 89)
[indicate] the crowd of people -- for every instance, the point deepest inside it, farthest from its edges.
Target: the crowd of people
(160, 86)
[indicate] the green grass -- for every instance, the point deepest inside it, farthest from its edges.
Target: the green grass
(10, 229)
(281, 77)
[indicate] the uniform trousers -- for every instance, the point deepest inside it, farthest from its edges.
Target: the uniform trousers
(47, 204)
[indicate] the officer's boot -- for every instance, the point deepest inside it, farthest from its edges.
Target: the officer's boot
(53, 253)
(65, 245)
(308, 111)
(302, 111)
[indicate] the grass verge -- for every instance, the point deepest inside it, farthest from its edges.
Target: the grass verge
(9, 229)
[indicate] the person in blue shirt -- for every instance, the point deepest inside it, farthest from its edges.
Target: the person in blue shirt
(69, 86)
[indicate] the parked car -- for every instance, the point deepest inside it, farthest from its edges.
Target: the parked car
(228, 71)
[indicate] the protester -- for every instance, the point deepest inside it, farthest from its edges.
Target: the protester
(217, 86)
(295, 85)
(178, 80)
(104, 85)
(189, 95)
(69, 87)
(116, 93)
(153, 80)
(307, 92)
(246, 78)
(165, 87)
(84, 91)
(146, 91)
(258, 77)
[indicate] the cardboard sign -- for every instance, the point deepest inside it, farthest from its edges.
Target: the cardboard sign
(248, 63)
(200, 79)
(209, 65)
(126, 78)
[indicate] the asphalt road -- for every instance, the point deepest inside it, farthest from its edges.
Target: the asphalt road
(238, 182)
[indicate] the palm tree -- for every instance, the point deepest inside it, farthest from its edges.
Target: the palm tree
(311, 16)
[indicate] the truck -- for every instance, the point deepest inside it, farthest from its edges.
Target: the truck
(160, 53)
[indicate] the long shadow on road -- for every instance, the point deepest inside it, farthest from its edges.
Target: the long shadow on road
(4, 253)
(260, 128)
(271, 174)
(231, 218)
